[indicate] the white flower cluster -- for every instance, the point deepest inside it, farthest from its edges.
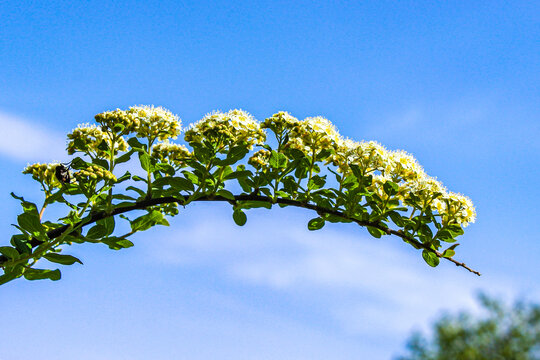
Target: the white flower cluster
(225, 130)
(94, 172)
(403, 169)
(89, 138)
(44, 173)
(259, 159)
(171, 153)
(313, 134)
(144, 121)
(280, 122)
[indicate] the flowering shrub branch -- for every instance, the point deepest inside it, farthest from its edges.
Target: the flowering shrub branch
(309, 166)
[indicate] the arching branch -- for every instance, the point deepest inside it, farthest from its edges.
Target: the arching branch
(143, 204)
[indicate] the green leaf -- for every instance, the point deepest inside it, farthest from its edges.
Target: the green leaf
(316, 224)
(316, 182)
(116, 243)
(136, 144)
(126, 176)
(165, 168)
(29, 221)
(396, 218)
(191, 177)
(146, 162)
(252, 204)
(181, 184)
(9, 251)
(445, 235)
(323, 154)
(137, 190)
(78, 163)
(226, 194)
(20, 242)
(40, 274)
(118, 128)
(202, 153)
(124, 157)
(336, 219)
(108, 224)
(278, 160)
(138, 178)
(239, 217)
(237, 153)
(62, 259)
(123, 197)
(11, 275)
(238, 174)
(390, 188)
(375, 232)
(145, 222)
(97, 232)
(297, 154)
(430, 258)
(101, 162)
(448, 253)
(26, 205)
(455, 229)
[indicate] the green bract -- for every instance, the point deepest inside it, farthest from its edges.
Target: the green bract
(305, 163)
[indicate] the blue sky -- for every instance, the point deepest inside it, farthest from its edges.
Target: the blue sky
(454, 83)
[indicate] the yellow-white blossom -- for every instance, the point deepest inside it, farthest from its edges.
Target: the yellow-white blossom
(280, 122)
(94, 172)
(44, 173)
(144, 121)
(175, 154)
(312, 135)
(455, 208)
(89, 138)
(369, 156)
(226, 130)
(402, 166)
(259, 159)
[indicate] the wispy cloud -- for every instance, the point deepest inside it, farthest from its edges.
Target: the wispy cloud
(24, 140)
(367, 286)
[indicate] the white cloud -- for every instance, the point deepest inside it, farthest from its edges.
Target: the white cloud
(368, 286)
(23, 140)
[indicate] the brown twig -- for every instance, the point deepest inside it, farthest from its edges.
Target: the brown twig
(246, 197)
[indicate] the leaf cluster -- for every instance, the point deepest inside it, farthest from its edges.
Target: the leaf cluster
(500, 332)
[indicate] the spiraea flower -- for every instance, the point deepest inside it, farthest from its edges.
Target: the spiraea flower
(225, 130)
(259, 159)
(44, 173)
(155, 122)
(94, 172)
(312, 135)
(427, 189)
(455, 208)
(344, 155)
(174, 154)
(118, 121)
(92, 140)
(280, 122)
(369, 156)
(402, 166)
(145, 121)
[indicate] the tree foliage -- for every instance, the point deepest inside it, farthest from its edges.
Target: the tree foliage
(281, 161)
(502, 334)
